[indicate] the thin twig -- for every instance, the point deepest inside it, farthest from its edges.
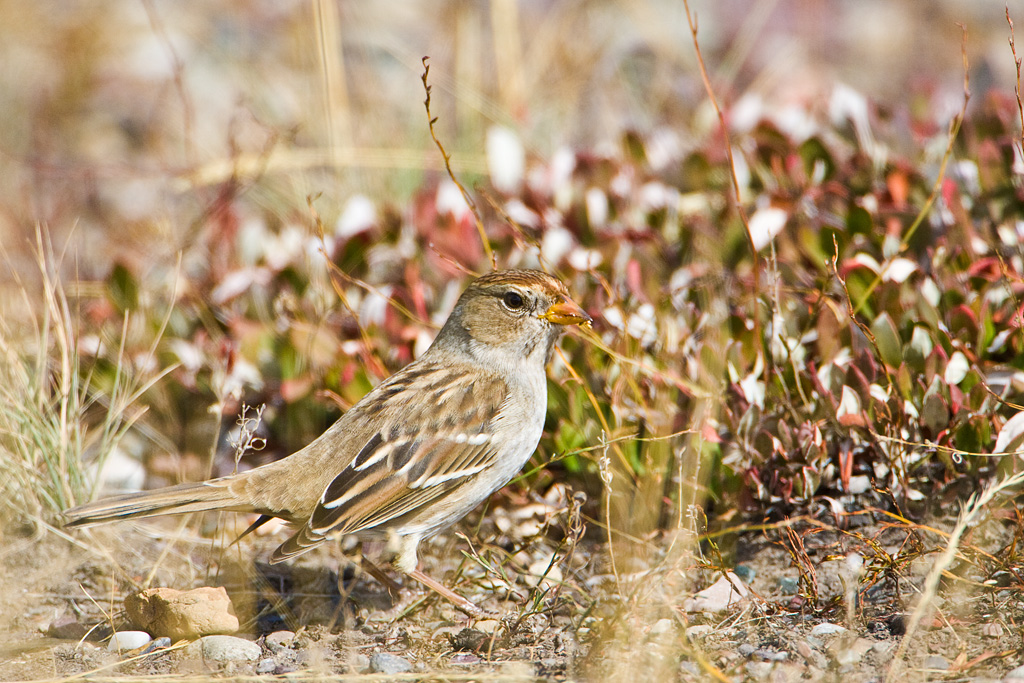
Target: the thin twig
(376, 365)
(1016, 86)
(606, 480)
(890, 381)
(448, 167)
(691, 20)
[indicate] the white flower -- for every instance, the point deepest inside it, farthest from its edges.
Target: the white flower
(359, 216)
(506, 159)
(449, 199)
(765, 224)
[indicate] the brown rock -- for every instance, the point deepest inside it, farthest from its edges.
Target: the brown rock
(67, 627)
(182, 614)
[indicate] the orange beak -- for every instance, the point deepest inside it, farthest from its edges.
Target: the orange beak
(566, 312)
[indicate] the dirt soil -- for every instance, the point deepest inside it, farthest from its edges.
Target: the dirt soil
(567, 633)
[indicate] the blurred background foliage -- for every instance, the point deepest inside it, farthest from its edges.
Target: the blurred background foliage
(181, 163)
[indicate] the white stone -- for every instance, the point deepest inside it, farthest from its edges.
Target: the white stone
(128, 640)
(543, 570)
(827, 629)
(727, 592)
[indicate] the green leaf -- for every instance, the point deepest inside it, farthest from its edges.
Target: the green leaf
(919, 348)
(123, 289)
(569, 438)
(814, 153)
(694, 173)
(934, 413)
(858, 221)
(633, 145)
(888, 340)
(973, 436)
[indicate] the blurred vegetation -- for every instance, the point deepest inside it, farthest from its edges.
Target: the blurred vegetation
(907, 395)
(867, 359)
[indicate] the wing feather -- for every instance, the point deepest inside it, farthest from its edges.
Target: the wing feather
(383, 492)
(411, 455)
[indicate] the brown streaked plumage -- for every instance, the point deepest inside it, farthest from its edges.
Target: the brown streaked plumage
(419, 451)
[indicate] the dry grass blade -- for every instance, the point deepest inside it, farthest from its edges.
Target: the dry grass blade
(969, 515)
(52, 452)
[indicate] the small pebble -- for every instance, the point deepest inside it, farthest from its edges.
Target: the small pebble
(797, 603)
(157, 644)
(464, 659)
(788, 585)
(279, 640)
(746, 649)
(182, 614)
(1017, 673)
(67, 627)
(770, 655)
(543, 571)
(488, 626)
(128, 640)
(811, 656)
(827, 629)
(727, 592)
(266, 666)
(224, 649)
(859, 483)
(936, 663)
(745, 573)
(992, 629)
(850, 653)
(693, 669)
(699, 630)
(758, 671)
(385, 663)
(787, 671)
(549, 664)
(662, 626)
(360, 663)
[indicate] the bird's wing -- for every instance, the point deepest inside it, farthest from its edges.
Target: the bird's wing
(432, 432)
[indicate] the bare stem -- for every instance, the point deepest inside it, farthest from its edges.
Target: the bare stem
(692, 22)
(1016, 87)
(448, 167)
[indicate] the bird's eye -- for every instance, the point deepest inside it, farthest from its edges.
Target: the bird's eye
(513, 300)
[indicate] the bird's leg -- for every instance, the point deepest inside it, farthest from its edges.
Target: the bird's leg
(460, 602)
(376, 572)
(408, 562)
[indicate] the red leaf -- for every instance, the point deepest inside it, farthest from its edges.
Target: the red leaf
(295, 388)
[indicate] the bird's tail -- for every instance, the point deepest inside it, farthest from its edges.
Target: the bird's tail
(218, 494)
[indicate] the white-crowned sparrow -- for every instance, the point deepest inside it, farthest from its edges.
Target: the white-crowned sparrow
(419, 451)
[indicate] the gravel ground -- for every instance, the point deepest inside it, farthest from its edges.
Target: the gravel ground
(295, 621)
